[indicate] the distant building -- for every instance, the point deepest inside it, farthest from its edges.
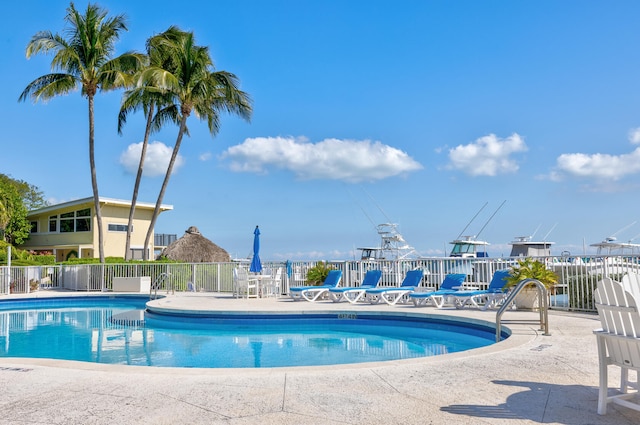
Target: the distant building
(70, 229)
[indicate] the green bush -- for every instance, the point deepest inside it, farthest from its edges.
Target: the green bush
(20, 257)
(581, 290)
(318, 273)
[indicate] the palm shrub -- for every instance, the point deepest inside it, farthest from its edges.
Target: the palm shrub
(529, 268)
(318, 273)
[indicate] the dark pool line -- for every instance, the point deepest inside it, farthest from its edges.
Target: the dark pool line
(328, 318)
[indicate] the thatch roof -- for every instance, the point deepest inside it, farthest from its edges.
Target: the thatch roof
(195, 248)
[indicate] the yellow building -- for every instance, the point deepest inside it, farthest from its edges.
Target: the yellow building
(70, 229)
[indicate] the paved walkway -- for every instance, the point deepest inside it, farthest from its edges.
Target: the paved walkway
(527, 379)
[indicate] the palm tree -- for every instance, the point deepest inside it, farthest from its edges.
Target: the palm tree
(193, 86)
(83, 59)
(150, 100)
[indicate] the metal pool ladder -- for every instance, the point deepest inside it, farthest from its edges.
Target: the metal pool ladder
(153, 293)
(544, 306)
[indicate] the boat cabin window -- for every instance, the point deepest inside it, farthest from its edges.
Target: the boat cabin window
(462, 248)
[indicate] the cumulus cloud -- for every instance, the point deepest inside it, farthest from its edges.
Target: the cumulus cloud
(156, 161)
(333, 159)
(487, 156)
(599, 166)
(205, 156)
(634, 136)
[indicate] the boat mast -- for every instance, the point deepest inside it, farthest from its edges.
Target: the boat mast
(471, 221)
(494, 213)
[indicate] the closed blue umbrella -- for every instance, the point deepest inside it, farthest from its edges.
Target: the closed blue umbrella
(289, 268)
(256, 265)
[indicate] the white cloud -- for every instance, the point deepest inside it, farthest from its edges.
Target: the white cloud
(599, 166)
(205, 156)
(634, 136)
(332, 159)
(156, 161)
(487, 156)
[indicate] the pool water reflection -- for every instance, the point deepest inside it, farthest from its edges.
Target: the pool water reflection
(84, 330)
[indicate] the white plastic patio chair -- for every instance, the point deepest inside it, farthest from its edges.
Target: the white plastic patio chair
(618, 342)
(245, 286)
(271, 288)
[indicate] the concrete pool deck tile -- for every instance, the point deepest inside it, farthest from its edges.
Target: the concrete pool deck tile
(527, 379)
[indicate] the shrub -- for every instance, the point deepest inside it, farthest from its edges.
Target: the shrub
(318, 273)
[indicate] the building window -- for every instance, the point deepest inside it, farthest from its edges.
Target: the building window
(119, 228)
(136, 253)
(53, 223)
(34, 227)
(66, 222)
(78, 221)
(83, 220)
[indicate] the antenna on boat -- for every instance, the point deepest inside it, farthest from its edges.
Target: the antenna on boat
(474, 217)
(536, 231)
(549, 232)
(361, 208)
(492, 215)
(623, 229)
(635, 237)
(376, 204)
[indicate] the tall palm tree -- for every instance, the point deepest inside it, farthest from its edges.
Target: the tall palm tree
(193, 86)
(83, 59)
(142, 96)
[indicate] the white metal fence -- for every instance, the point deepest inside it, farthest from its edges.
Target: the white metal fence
(577, 276)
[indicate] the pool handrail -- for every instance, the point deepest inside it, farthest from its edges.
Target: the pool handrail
(544, 305)
(153, 292)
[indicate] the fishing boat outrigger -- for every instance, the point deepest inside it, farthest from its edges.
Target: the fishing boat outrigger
(470, 246)
(392, 245)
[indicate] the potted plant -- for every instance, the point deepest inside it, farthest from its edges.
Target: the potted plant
(529, 268)
(318, 273)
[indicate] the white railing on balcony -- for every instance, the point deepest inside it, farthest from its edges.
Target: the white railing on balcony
(577, 276)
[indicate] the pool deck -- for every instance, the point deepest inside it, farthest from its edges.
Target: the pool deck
(527, 379)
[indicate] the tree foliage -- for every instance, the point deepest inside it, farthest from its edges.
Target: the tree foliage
(187, 78)
(82, 58)
(17, 197)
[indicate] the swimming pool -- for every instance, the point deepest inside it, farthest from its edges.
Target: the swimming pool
(116, 330)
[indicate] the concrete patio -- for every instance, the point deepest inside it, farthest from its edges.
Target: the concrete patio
(527, 379)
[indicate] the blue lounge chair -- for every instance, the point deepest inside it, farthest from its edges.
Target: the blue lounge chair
(483, 299)
(392, 295)
(313, 293)
(353, 294)
(447, 286)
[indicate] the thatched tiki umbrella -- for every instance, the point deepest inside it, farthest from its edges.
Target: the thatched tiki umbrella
(195, 248)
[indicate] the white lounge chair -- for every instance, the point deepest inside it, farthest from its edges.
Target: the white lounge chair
(314, 293)
(353, 294)
(486, 298)
(618, 342)
(438, 297)
(393, 295)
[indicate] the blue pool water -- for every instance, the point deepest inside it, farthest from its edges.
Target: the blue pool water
(83, 329)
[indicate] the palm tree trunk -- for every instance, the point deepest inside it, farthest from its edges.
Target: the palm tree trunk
(174, 155)
(136, 186)
(94, 180)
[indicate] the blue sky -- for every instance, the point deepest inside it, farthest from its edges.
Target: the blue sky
(415, 112)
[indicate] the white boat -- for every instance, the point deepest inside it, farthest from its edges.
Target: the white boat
(610, 246)
(470, 246)
(525, 246)
(392, 245)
